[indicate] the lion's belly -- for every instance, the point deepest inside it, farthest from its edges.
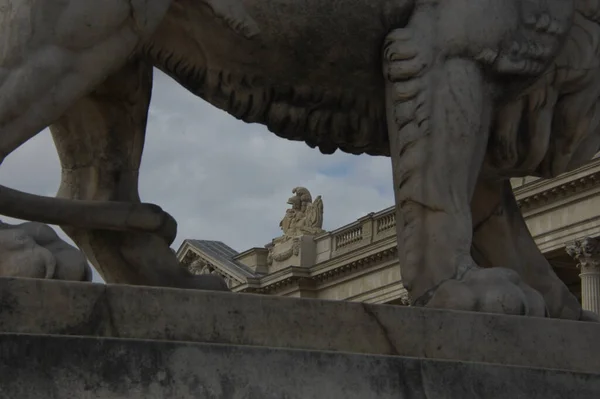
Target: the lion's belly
(329, 44)
(313, 73)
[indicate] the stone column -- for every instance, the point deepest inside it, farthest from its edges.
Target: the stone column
(587, 253)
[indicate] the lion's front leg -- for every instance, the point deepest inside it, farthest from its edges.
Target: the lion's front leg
(438, 120)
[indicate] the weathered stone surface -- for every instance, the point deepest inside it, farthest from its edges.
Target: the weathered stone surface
(67, 308)
(45, 367)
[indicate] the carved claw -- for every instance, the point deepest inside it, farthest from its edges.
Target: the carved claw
(507, 65)
(533, 45)
(526, 58)
(404, 60)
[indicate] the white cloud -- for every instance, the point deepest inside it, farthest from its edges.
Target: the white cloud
(222, 179)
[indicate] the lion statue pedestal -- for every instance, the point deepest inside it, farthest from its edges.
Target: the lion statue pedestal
(121, 341)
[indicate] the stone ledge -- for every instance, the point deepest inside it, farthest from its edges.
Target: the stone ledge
(54, 367)
(66, 308)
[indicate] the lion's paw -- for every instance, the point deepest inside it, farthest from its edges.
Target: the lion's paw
(495, 290)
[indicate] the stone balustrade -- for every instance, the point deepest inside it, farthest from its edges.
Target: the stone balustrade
(349, 237)
(365, 231)
(381, 225)
(386, 222)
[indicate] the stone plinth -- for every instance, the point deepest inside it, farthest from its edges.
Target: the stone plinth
(48, 367)
(81, 340)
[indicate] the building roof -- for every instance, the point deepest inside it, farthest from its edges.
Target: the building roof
(223, 254)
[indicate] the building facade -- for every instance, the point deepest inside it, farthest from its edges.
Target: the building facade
(358, 261)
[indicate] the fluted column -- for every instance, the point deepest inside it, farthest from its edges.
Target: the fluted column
(587, 253)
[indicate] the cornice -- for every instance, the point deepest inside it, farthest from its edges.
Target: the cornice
(293, 275)
(355, 265)
(274, 282)
(359, 251)
(561, 189)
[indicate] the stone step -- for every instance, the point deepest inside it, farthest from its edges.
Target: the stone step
(63, 367)
(68, 308)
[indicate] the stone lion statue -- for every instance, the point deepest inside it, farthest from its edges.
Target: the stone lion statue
(461, 95)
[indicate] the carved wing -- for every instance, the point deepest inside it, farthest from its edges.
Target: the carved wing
(314, 214)
(286, 223)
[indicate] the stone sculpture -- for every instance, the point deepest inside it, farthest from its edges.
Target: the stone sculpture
(304, 217)
(461, 95)
(34, 250)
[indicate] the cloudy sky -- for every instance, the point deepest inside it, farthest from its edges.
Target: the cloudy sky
(222, 179)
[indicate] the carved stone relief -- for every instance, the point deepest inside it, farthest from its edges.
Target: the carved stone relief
(200, 266)
(294, 250)
(587, 253)
(304, 217)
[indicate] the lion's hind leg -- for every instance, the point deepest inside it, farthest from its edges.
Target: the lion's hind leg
(501, 239)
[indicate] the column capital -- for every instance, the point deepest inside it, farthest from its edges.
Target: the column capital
(586, 251)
